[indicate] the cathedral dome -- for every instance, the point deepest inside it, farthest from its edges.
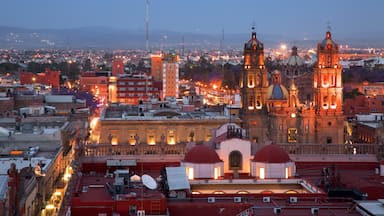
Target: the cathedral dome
(271, 153)
(201, 154)
(294, 59)
(276, 91)
(328, 43)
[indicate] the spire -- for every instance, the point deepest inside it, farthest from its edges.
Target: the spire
(293, 86)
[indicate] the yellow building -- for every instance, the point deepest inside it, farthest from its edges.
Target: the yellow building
(129, 125)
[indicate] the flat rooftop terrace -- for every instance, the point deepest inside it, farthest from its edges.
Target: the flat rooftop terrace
(92, 189)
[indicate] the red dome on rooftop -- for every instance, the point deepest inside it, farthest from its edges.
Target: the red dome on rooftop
(271, 153)
(201, 154)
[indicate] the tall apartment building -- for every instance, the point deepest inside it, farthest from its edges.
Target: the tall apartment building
(157, 66)
(135, 87)
(170, 75)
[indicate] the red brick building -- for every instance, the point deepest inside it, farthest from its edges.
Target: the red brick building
(117, 67)
(362, 104)
(133, 88)
(48, 77)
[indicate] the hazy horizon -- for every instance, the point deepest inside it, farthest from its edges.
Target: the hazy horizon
(296, 18)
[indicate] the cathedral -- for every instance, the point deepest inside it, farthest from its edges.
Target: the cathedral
(272, 111)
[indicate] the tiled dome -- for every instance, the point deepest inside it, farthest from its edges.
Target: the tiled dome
(294, 59)
(271, 154)
(201, 154)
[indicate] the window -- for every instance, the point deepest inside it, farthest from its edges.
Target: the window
(189, 171)
(292, 135)
(171, 137)
(235, 160)
(250, 103)
(217, 172)
(132, 137)
(151, 138)
(262, 173)
(287, 171)
(329, 140)
(250, 82)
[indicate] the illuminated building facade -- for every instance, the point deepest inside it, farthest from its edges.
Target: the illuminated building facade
(273, 112)
(138, 87)
(49, 77)
(128, 125)
(170, 75)
(117, 67)
(156, 66)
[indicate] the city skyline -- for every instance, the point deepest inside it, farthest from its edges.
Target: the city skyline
(288, 18)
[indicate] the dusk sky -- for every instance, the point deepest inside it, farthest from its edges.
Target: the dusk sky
(291, 18)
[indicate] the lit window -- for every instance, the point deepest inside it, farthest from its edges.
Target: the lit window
(292, 133)
(190, 174)
(217, 172)
(171, 140)
(262, 172)
(114, 141)
(151, 139)
(286, 172)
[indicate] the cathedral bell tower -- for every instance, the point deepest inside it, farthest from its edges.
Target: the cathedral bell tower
(328, 92)
(254, 87)
(254, 81)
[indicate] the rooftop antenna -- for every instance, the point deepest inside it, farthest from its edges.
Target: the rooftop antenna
(147, 26)
(182, 46)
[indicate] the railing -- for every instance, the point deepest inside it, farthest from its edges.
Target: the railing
(180, 149)
(357, 148)
(142, 149)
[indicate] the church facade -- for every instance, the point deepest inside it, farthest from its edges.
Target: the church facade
(274, 112)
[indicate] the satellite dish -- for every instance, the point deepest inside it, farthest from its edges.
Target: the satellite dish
(149, 182)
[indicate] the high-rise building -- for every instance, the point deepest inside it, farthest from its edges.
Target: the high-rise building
(274, 112)
(131, 89)
(170, 75)
(156, 66)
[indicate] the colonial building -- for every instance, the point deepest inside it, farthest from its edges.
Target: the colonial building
(274, 112)
(144, 124)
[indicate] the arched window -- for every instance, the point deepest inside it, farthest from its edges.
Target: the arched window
(235, 160)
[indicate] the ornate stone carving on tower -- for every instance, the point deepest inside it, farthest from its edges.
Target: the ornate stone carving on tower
(254, 82)
(273, 112)
(254, 85)
(328, 92)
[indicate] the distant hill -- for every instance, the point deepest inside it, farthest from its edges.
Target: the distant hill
(110, 38)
